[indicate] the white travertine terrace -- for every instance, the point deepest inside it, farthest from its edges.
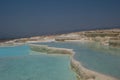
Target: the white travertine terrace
(110, 37)
(81, 72)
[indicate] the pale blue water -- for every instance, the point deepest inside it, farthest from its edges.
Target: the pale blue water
(14, 51)
(19, 63)
(96, 57)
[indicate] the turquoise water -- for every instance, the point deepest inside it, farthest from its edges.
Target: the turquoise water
(14, 51)
(19, 63)
(103, 59)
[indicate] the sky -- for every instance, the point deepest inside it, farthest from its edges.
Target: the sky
(25, 18)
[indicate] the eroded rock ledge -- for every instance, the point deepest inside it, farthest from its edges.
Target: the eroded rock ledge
(82, 73)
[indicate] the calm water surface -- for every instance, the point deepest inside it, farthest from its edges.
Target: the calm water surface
(94, 56)
(19, 63)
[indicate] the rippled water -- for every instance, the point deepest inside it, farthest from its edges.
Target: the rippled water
(94, 56)
(19, 63)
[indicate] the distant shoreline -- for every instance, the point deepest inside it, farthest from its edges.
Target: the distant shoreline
(63, 32)
(103, 36)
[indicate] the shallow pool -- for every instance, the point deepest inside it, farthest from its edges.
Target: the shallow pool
(20, 63)
(103, 59)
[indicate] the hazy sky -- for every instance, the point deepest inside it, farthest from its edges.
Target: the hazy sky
(19, 18)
